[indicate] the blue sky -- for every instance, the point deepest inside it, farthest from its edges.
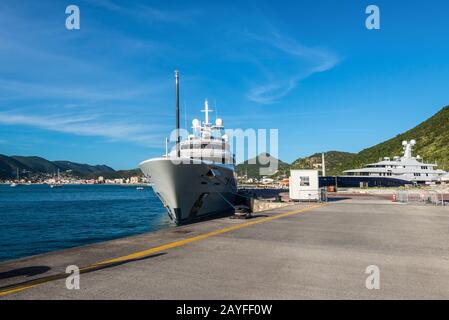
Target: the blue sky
(104, 94)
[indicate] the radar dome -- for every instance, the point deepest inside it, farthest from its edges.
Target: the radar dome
(413, 142)
(219, 122)
(196, 123)
(404, 143)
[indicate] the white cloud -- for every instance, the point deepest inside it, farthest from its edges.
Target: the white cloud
(302, 62)
(76, 92)
(64, 91)
(89, 125)
(148, 13)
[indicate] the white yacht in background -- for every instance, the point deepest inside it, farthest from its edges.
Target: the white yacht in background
(407, 168)
(197, 178)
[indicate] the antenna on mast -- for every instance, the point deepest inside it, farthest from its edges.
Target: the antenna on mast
(206, 113)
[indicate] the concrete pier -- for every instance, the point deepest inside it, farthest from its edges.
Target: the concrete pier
(303, 251)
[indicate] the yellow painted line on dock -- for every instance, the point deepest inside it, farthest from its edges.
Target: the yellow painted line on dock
(151, 251)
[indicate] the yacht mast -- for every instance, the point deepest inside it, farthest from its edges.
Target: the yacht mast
(178, 138)
(408, 148)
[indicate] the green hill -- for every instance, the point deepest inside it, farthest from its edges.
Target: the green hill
(432, 143)
(253, 170)
(9, 166)
(336, 162)
(82, 169)
(38, 165)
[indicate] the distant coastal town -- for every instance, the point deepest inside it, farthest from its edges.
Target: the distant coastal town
(66, 178)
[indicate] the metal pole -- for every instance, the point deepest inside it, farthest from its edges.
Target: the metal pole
(178, 138)
(166, 147)
(323, 164)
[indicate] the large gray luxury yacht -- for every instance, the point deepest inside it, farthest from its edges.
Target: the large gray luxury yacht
(197, 178)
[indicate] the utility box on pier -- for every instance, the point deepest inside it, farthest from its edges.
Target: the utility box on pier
(304, 185)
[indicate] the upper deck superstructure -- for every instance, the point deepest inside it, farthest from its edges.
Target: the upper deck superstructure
(207, 142)
(197, 178)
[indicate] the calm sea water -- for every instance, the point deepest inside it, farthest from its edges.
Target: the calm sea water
(36, 218)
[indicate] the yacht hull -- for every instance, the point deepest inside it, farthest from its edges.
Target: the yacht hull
(357, 181)
(192, 190)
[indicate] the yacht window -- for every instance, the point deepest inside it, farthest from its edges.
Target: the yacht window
(304, 182)
(212, 159)
(211, 146)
